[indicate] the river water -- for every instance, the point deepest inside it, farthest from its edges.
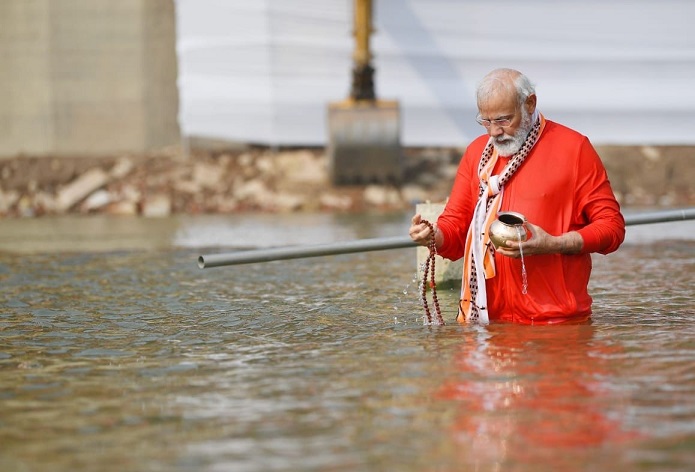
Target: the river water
(118, 354)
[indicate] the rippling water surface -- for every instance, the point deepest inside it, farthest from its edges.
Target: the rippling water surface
(135, 359)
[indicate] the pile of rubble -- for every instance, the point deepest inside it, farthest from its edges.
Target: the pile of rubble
(169, 182)
(288, 180)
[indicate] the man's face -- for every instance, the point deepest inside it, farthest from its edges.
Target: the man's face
(504, 108)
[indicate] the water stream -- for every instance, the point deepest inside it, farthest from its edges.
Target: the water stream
(117, 353)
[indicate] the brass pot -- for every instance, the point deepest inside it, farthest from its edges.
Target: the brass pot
(509, 226)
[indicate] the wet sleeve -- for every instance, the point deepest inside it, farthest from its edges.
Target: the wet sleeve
(458, 212)
(603, 227)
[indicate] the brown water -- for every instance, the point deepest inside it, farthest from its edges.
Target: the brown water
(136, 360)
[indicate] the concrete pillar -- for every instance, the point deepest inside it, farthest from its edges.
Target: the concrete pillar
(26, 99)
(87, 76)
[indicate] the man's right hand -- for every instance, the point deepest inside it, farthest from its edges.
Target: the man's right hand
(419, 231)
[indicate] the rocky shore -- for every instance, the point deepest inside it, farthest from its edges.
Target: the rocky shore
(286, 180)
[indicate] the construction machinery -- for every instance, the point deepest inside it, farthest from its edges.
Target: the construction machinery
(364, 132)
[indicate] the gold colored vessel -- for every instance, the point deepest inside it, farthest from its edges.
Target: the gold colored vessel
(509, 226)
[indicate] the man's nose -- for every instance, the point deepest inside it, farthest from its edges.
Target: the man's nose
(495, 130)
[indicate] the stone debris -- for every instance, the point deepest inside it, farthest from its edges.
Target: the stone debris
(255, 179)
(122, 208)
(651, 153)
(287, 202)
(25, 208)
(301, 168)
(80, 188)
(122, 168)
(382, 196)
(206, 176)
(7, 200)
(156, 206)
(97, 200)
(331, 201)
(254, 193)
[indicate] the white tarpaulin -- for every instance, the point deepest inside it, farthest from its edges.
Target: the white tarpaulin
(263, 71)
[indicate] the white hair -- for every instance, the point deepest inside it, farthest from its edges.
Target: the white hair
(505, 80)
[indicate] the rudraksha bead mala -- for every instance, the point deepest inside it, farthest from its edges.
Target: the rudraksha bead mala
(429, 269)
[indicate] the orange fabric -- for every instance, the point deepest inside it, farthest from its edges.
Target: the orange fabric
(562, 186)
(466, 295)
(473, 304)
(524, 389)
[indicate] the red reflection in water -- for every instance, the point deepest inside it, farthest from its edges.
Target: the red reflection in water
(528, 391)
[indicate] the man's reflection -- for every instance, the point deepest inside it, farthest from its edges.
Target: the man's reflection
(530, 390)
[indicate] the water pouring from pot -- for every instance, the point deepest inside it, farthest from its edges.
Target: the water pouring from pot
(509, 226)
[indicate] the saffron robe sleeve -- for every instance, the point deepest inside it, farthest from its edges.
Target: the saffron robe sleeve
(562, 186)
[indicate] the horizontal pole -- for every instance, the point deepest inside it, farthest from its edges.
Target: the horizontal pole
(664, 216)
(297, 252)
(381, 244)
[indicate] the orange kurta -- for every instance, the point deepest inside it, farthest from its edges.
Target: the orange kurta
(561, 186)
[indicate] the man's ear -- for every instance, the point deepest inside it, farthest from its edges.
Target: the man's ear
(530, 104)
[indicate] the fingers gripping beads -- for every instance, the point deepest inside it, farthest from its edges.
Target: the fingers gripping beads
(429, 269)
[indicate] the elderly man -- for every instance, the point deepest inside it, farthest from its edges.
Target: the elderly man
(550, 174)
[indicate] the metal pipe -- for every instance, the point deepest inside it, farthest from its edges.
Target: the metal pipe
(380, 244)
(660, 216)
(297, 252)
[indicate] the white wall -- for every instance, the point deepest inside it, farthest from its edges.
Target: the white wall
(621, 72)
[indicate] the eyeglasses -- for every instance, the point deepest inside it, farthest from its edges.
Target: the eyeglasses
(501, 122)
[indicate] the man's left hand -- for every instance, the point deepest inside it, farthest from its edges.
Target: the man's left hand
(540, 242)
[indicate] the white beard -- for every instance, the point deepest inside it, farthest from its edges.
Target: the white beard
(508, 145)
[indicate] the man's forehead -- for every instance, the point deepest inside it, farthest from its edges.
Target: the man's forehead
(501, 103)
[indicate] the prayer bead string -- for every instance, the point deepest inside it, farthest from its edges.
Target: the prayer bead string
(429, 268)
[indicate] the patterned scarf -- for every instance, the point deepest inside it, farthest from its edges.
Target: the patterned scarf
(479, 260)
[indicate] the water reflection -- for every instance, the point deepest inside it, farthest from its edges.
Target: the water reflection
(137, 360)
(534, 394)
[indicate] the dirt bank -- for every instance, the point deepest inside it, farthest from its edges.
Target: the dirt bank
(287, 180)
